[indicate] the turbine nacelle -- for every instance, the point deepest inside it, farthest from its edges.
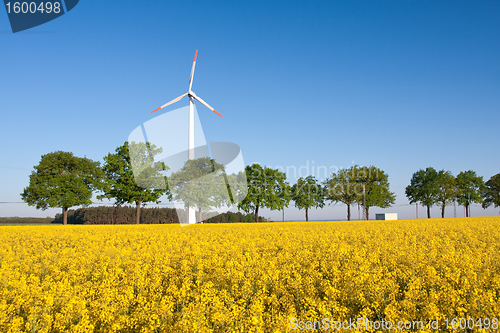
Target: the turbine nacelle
(190, 93)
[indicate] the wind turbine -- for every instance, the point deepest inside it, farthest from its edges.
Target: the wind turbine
(191, 217)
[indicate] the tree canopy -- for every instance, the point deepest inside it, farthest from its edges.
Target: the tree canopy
(200, 183)
(491, 193)
(469, 189)
(307, 193)
(446, 192)
(63, 180)
(377, 193)
(266, 188)
(344, 187)
(423, 188)
(133, 176)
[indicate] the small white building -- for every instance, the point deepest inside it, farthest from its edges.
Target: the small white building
(386, 216)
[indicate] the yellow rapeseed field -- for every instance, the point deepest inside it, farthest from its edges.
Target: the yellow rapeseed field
(266, 277)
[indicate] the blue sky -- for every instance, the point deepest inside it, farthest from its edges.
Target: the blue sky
(401, 85)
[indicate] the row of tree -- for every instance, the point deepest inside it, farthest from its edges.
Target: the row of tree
(131, 176)
(64, 180)
(430, 187)
(366, 186)
(126, 215)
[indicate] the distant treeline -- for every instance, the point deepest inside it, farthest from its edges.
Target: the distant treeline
(25, 220)
(230, 217)
(127, 215)
(118, 215)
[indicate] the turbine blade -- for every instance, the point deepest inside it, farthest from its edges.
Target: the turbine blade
(206, 104)
(171, 102)
(192, 71)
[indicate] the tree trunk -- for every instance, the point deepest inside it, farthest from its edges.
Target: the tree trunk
(65, 215)
(307, 217)
(467, 208)
(257, 213)
(201, 217)
(428, 211)
(348, 212)
(364, 202)
(137, 212)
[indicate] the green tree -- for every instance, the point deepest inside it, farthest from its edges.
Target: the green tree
(307, 193)
(233, 218)
(133, 176)
(469, 189)
(491, 193)
(446, 189)
(200, 183)
(376, 188)
(63, 180)
(237, 186)
(423, 188)
(344, 187)
(266, 188)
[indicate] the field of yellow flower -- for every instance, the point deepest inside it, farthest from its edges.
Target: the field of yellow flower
(266, 277)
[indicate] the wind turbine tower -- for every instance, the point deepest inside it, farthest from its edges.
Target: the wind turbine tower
(191, 217)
